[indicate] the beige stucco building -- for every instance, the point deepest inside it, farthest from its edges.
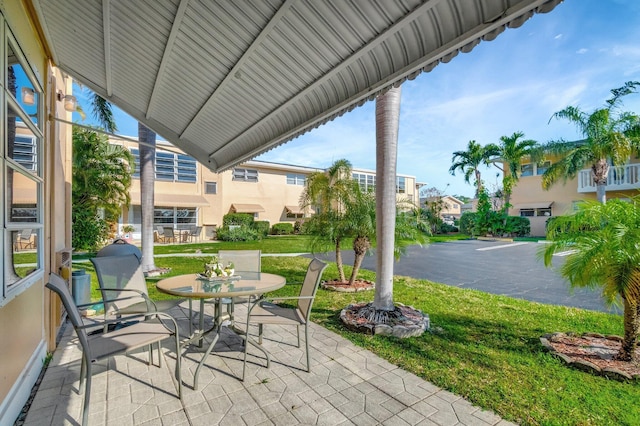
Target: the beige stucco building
(530, 200)
(188, 194)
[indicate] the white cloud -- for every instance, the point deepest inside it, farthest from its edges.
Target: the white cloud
(558, 37)
(582, 51)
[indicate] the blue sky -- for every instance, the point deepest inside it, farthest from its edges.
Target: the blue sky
(572, 56)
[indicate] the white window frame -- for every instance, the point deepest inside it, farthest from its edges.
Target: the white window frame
(296, 179)
(169, 166)
(33, 122)
(242, 174)
(208, 185)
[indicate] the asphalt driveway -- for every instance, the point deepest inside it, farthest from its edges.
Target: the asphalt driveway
(510, 269)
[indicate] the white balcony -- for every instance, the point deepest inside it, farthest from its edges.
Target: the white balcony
(619, 178)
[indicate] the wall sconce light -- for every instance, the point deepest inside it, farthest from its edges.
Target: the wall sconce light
(28, 96)
(70, 101)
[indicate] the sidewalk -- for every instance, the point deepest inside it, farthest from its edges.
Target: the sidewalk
(347, 385)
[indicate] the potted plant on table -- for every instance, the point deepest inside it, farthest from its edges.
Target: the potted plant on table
(127, 233)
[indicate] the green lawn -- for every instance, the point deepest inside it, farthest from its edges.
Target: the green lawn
(481, 346)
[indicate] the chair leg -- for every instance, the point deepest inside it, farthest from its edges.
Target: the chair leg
(87, 396)
(260, 329)
(178, 365)
(298, 332)
(159, 354)
(306, 343)
(83, 373)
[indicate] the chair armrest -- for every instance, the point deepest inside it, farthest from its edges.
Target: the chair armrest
(138, 292)
(134, 316)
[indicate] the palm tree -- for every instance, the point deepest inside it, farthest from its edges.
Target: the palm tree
(328, 192)
(147, 150)
(608, 135)
(604, 242)
(360, 223)
(103, 112)
(469, 161)
(387, 124)
(511, 151)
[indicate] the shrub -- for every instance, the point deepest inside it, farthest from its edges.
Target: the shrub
(445, 228)
(518, 226)
(239, 233)
(283, 228)
(237, 219)
(300, 227)
(261, 227)
(467, 221)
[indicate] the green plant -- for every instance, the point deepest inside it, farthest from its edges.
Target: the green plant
(238, 233)
(608, 135)
(518, 226)
(283, 228)
(237, 219)
(299, 227)
(467, 221)
(100, 187)
(261, 227)
(128, 228)
(604, 241)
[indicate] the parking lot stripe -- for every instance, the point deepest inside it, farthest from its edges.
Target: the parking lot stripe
(502, 246)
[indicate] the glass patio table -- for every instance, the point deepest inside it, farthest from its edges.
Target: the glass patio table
(191, 286)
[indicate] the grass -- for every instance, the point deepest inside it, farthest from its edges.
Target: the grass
(481, 346)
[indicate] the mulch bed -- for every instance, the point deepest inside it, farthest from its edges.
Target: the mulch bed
(343, 286)
(594, 353)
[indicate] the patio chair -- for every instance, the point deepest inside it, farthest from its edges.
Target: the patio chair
(160, 232)
(194, 233)
(123, 287)
(149, 330)
(168, 234)
(243, 261)
(264, 311)
(24, 239)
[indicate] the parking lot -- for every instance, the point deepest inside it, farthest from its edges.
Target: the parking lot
(505, 268)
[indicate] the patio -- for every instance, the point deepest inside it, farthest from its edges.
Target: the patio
(347, 385)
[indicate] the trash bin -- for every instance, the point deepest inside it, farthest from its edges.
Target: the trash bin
(120, 248)
(81, 286)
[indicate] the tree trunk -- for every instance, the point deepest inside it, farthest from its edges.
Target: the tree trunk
(147, 178)
(360, 247)
(631, 328)
(339, 262)
(478, 182)
(600, 172)
(387, 124)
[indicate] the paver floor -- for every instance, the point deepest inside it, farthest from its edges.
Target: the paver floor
(347, 385)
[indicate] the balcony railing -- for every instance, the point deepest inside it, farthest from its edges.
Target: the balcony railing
(619, 178)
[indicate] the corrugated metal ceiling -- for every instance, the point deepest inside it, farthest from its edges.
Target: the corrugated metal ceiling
(226, 80)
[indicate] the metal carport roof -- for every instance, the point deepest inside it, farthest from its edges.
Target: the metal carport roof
(226, 80)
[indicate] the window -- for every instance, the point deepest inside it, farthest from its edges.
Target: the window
(177, 217)
(22, 185)
(401, 185)
(526, 170)
(211, 187)
(366, 181)
(169, 166)
(535, 212)
(136, 158)
(245, 175)
(542, 167)
(296, 179)
(25, 152)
